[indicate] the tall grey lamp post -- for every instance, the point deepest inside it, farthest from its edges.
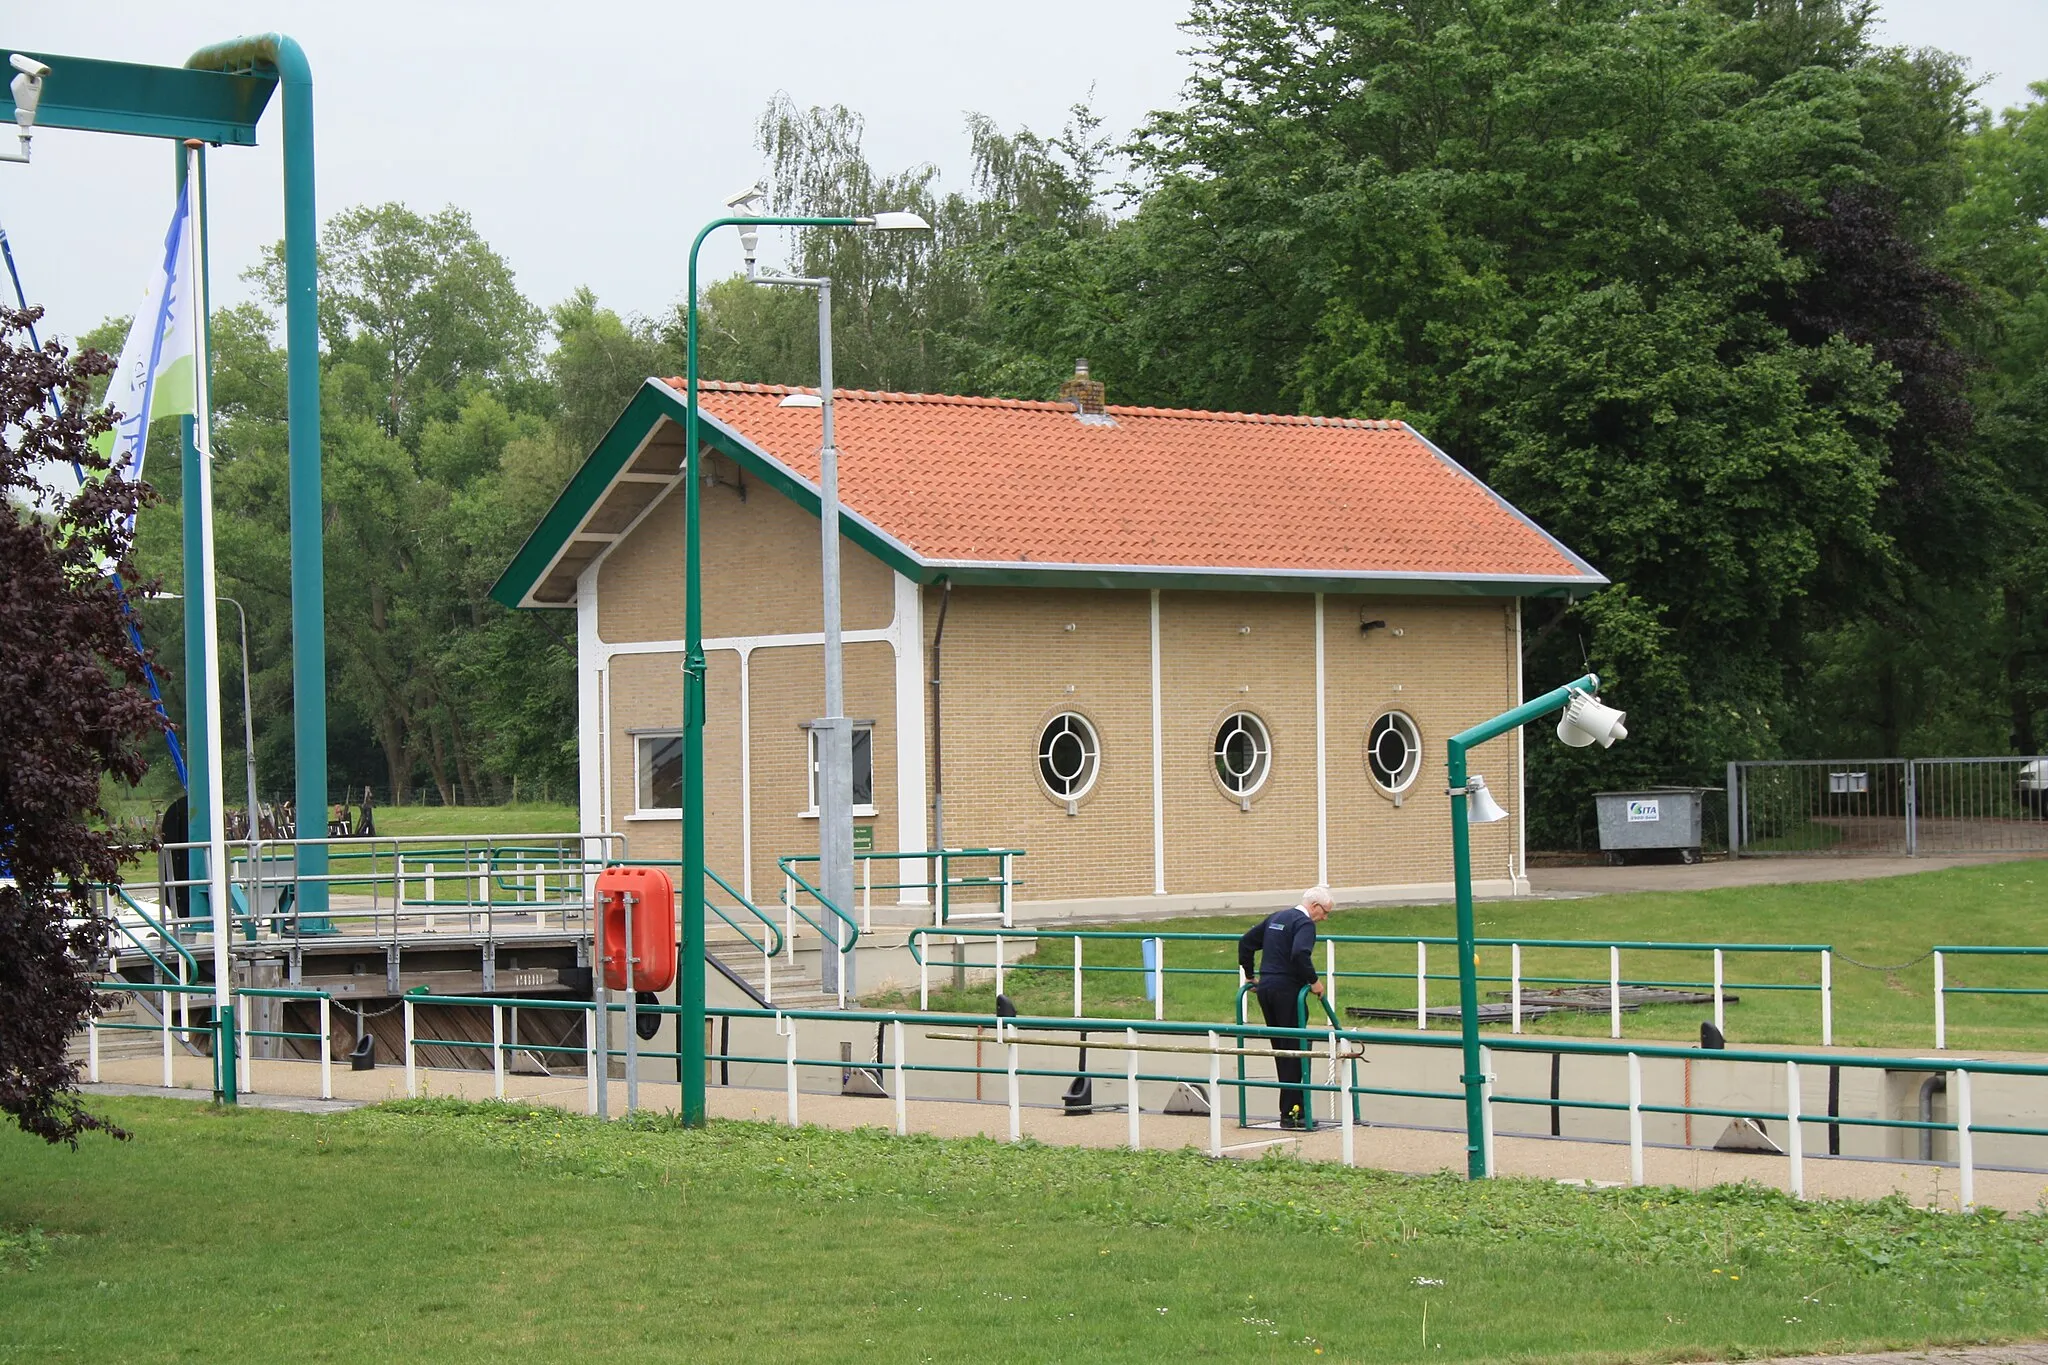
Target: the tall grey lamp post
(832, 734)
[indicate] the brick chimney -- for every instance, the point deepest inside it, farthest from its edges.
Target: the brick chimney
(1085, 394)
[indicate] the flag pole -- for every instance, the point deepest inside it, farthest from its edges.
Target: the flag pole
(225, 1079)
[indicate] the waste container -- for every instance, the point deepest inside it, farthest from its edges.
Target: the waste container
(1654, 820)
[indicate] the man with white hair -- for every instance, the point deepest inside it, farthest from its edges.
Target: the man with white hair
(1285, 944)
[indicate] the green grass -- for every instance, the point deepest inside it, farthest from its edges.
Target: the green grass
(1885, 922)
(440, 1231)
(526, 818)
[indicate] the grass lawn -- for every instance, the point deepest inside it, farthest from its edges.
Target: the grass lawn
(526, 818)
(441, 1231)
(1889, 922)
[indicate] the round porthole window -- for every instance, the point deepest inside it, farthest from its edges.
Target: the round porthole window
(1393, 751)
(1244, 754)
(1069, 756)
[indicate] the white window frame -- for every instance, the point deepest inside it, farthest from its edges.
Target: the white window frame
(866, 727)
(1264, 737)
(641, 777)
(1092, 747)
(1415, 755)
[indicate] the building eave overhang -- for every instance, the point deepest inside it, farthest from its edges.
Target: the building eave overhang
(562, 534)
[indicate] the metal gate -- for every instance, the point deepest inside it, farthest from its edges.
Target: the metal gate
(1895, 806)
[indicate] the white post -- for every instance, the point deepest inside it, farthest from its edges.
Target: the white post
(1330, 972)
(786, 1026)
(92, 1049)
(1158, 979)
(1216, 1096)
(498, 1050)
(867, 895)
(1000, 955)
(1348, 1141)
(166, 1016)
(1016, 1099)
(924, 978)
(1421, 986)
(1613, 992)
(1720, 1016)
(632, 951)
(430, 897)
(411, 1074)
(1966, 1146)
(1514, 989)
(1635, 1119)
(202, 577)
(1827, 998)
(1795, 1142)
(1940, 1008)
(1485, 1110)
(1077, 976)
(247, 1070)
(326, 1047)
(590, 1050)
(902, 1095)
(1131, 1088)
(1005, 889)
(789, 917)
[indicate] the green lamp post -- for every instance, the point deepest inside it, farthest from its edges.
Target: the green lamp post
(691, 1044)
(1585, 722)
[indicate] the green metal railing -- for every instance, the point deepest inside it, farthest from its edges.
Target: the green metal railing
(1339, 1050)
(1719, 987)
(939, 882)
(211, 1029)
(1943, 989)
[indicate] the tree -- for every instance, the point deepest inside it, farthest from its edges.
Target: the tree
(71, 689)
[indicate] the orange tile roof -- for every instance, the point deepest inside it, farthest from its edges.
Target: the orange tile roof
(1005, 481)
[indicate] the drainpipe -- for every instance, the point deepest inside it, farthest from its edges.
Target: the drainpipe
(276, 53)
(1936, 1084)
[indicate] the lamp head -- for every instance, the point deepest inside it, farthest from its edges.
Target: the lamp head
(898, 221)
(1480, 807)
(1588, 720)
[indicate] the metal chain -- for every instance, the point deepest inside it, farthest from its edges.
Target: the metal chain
(1875, 967)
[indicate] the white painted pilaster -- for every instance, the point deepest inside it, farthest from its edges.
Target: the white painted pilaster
(1158, 764)
(591, 735)
(1322, 758)
(913, 790)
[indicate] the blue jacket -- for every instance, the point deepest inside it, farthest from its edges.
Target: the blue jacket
(1285, 942)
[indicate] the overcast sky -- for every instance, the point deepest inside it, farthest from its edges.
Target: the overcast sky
(590, 141)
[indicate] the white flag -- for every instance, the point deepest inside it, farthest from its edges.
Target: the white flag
(155, 375)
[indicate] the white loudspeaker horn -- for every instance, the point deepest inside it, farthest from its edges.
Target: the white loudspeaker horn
(1480, 807)
(1587, 720)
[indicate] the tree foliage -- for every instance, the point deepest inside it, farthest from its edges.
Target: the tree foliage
(75, 707)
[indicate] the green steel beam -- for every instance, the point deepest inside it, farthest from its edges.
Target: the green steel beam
(94, 96)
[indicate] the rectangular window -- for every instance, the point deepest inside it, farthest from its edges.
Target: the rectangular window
(658, 771)
(863, 769)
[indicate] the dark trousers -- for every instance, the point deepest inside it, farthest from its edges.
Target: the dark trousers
(1280, 1002)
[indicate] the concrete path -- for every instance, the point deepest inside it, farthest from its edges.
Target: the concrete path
(1720, 872)
(1413, 1150)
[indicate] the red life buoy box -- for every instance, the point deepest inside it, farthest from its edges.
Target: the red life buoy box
(654, 927)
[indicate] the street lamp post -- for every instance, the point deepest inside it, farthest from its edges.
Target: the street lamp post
(835, 746)
(1463, 791)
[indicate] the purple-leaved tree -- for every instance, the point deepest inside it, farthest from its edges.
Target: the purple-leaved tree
(73, 708)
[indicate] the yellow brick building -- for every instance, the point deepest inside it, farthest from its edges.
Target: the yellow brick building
(1181, 658)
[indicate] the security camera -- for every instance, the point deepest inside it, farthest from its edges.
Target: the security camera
(746, 196)
(27, 89)
(29, 66)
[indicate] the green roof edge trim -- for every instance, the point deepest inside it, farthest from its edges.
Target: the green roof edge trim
(657, 400)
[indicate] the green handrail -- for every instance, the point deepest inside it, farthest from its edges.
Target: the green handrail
(789, 903)
(774, 929)
(155, 924)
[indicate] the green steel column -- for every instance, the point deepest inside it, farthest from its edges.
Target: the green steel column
(283, 55)
(691, 995)
(1468, 980)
